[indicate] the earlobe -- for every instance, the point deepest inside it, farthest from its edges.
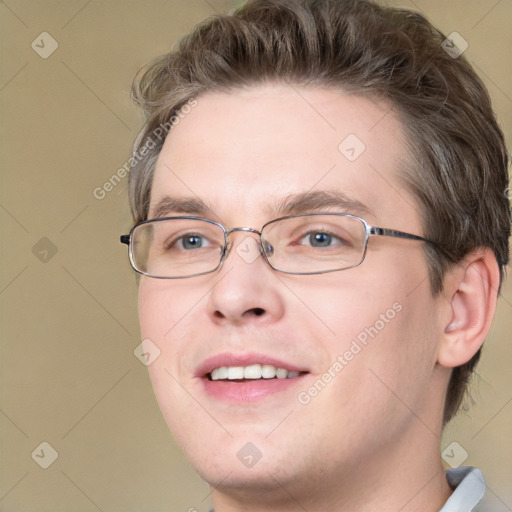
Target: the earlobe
(472, 289)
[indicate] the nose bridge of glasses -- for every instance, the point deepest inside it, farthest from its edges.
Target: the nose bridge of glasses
(246, 252)
(247, 230)
(244, 230)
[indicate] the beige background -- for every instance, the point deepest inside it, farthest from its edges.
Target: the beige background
(69, 324)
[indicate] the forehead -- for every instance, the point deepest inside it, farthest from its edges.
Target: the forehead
(246, 152)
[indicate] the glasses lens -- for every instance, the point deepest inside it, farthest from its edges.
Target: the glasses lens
(314, 243)
(177, 247)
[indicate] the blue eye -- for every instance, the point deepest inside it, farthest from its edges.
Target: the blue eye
(191, 242)
(319, 239)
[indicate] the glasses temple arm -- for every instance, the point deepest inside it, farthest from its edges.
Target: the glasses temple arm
(397, 234)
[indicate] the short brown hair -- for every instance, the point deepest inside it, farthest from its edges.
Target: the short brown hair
(460, 177)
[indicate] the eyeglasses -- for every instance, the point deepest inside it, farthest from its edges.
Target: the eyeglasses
(312, 243)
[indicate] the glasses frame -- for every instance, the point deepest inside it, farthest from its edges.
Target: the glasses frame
(369, 231)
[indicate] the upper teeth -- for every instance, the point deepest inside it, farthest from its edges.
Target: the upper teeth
(254, 371)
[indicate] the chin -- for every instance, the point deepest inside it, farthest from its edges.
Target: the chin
(251, 466)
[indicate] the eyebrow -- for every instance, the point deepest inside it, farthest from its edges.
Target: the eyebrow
(182, 205)
(292, 204)
(320, 200)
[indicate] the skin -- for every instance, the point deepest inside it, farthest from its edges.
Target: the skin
(370, 439)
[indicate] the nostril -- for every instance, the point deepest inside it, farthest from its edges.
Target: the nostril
(258, 311)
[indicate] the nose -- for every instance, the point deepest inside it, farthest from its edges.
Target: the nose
(247, 290)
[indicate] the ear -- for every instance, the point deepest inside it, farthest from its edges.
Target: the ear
(471, 289)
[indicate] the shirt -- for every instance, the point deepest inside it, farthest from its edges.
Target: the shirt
(468, 486)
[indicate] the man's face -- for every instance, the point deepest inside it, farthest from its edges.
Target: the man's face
(242, 154)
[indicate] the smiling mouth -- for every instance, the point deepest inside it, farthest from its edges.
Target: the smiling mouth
(251, 373)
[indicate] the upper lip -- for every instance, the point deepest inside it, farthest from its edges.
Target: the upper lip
(247, 359)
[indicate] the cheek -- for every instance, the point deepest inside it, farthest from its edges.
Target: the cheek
(163, 305)
(382, 343)
(167, 315)
(162, 314)
(342, 307)
(154, 314)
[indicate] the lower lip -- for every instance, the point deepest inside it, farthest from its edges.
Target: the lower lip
(248, 390)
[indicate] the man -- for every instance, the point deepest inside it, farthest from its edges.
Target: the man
(321, 229)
